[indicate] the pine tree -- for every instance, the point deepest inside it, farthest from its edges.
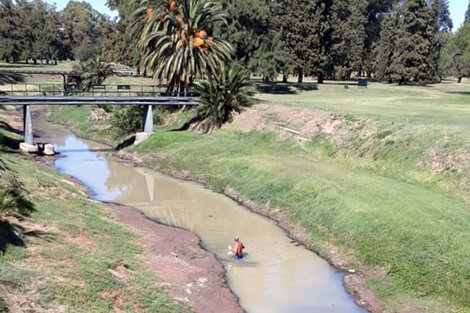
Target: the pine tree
(413, 60)
(271, 58)
(340, 37)
(444, 19)
(246, 28)
(467, 14)
(356, 34)
(386, 46)
(456, 53)
(306, 31)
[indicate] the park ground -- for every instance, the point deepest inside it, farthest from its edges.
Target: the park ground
(382, 173)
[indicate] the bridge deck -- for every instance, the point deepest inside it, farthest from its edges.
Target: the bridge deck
(76, 100)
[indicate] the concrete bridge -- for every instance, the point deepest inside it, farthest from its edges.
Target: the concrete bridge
(146, 102)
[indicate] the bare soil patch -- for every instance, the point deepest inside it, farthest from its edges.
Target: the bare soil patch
(189, 272)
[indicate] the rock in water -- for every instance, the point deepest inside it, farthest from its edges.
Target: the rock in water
(49, 149)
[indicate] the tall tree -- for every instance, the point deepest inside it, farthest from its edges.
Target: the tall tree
(443, 12)
(341, 44)
(123, 42)
(177, 41)
(247, 26)
(356, 35)
(467, 14)
(81, 27)
(413, 60)
(306, 31)
(387, 45)
(271, 58)
(11, 41)
(456, 53)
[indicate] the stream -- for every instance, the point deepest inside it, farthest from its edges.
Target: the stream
(276, 275)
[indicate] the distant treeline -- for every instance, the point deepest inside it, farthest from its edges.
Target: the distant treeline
(390, 40)
(36, 31)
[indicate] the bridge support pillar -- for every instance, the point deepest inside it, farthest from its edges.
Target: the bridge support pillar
(28, 144)
(147, 125)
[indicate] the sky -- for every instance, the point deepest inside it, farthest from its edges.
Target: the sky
(98, 5)
(457, 9)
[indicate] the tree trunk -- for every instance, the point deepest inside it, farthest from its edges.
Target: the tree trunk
(138, 70)
(460, 79)
(284, 78)
(320, 78)
(35, 61)
(42, 61)
(55, 61)
(301, 76)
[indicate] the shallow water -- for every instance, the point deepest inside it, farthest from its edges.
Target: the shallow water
(275, 275)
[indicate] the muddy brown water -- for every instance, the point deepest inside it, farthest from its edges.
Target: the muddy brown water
(275, 276)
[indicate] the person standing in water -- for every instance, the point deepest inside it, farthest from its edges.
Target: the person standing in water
(238, 248)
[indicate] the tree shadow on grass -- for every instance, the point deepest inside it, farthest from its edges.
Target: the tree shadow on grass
(187, 125)
(5, 140)
(274, 88)
(125, 143)
(462, 93)
(306, 86)
(8, 236)
(15, 204)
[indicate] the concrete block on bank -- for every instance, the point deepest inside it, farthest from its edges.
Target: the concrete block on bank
(49, 149)
(28, 148)
(139, 137)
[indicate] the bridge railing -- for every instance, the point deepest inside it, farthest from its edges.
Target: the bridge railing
(111, 90)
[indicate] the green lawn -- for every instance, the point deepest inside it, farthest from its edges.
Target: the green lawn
(62, 66)
(446, 104)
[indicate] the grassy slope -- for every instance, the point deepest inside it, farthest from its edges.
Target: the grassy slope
(79, 260)
(77, 118)
(376, 196)
(420, 235)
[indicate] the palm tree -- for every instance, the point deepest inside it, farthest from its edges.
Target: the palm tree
(177, 42)
(93, 72)
(10, 78)
(221, 95)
